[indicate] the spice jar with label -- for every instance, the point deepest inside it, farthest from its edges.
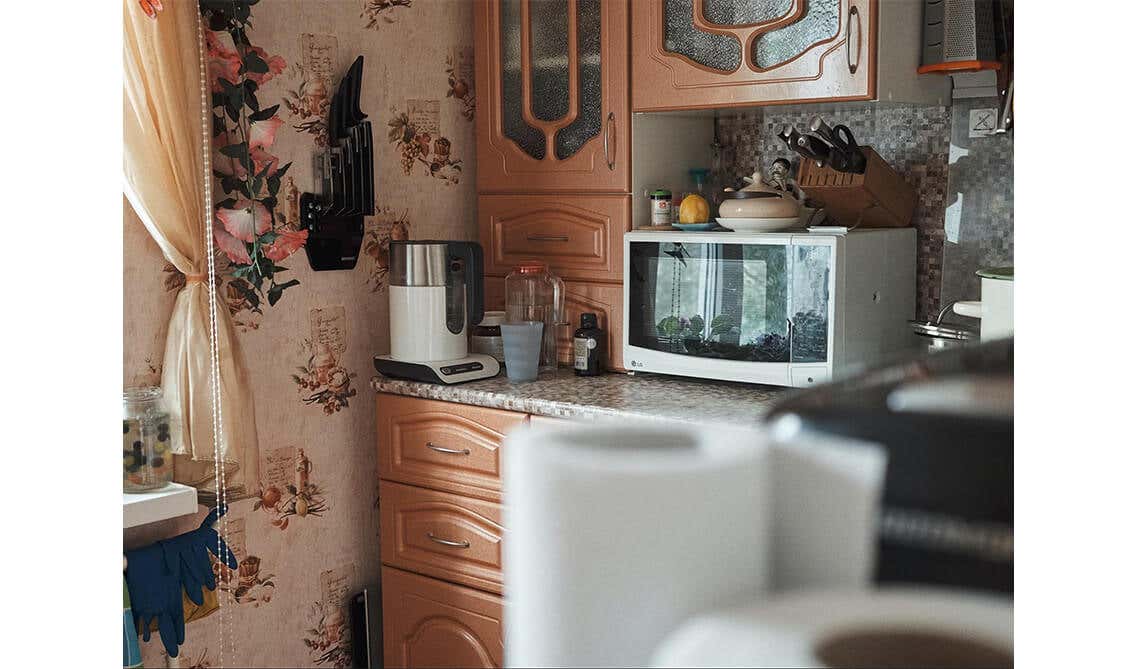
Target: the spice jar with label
(660, 207)
(486, 336)
(147, 440)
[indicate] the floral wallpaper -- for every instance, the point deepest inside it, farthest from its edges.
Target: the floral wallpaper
(307, 538)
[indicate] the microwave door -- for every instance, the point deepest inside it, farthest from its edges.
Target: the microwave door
(715, 310)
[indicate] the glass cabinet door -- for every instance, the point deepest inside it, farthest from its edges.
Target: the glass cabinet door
(690, 53)
(726, 301)
(556, 76)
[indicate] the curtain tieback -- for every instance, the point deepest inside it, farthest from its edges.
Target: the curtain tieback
(195, 278)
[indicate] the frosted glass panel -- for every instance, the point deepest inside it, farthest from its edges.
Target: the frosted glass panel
(742, 12)
(821, 21)
(587, 124)
(810, 337)
(548, 49)
(528, 138)
(727, 301)
(680, 36)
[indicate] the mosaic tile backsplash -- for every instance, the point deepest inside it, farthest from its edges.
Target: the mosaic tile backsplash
(916, 141)
(979, 223)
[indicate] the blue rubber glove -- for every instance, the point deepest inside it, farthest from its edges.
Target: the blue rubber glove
(156, 593)
(190, 552)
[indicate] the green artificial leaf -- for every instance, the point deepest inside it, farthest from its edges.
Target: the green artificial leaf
(697, 324)
(250, 88)
(227, 203)
(254, 63)
(219, 126)
(264, 114)
(230, 184)
(278, 289)
(235, 150)
(280, 172)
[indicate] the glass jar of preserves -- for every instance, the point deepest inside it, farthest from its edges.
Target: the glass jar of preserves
(147, 440)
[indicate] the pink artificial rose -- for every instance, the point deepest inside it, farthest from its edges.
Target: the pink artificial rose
(276, 65)
(245, 220)
(262, 134)
(262, 159)
(230, 167)
(287, 243)
(233, 248)
(224, 62)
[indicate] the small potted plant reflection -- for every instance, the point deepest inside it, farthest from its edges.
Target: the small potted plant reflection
(689, 335)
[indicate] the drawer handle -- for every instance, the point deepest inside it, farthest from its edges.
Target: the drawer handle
(849, 41)
(442, 449)
(447, 542)
(548, 238)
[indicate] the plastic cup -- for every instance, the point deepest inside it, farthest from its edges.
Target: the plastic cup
(522, 343)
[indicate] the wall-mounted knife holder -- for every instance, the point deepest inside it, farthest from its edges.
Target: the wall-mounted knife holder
(346, 173)
(878, 198)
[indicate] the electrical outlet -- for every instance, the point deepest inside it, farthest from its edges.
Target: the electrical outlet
(982, 122)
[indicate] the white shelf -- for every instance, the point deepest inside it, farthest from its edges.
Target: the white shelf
(149, 507)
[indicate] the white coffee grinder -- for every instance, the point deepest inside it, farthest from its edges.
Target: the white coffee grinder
(436, 295)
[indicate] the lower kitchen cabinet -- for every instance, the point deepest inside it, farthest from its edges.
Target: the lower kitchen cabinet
(431, 623)
(440, 534)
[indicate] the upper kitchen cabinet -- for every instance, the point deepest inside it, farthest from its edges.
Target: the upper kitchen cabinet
(552, 84)
(691, 54)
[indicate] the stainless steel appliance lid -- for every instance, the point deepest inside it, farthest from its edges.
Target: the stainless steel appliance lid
(419, 263)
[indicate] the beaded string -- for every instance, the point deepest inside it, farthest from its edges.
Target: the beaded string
(215, 367)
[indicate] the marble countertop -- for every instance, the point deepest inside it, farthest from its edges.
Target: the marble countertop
(609, 396)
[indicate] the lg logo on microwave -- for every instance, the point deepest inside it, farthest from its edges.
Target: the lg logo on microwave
(637, 364)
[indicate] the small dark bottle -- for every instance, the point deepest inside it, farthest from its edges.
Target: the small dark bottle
(588, 347)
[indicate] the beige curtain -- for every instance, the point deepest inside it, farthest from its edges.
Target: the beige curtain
(164, 169)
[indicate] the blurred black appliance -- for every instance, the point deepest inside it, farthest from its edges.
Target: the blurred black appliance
(946, 421)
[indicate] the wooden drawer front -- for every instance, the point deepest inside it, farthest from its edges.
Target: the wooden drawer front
(428, 623)
(580, 237)
(443, 445)
(441, 534)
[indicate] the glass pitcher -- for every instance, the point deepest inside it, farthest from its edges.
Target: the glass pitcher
(533, 293)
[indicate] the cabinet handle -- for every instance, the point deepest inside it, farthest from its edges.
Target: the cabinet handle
(608, 127)
(548, 238)
(853, 11)
(447, 542)
(442, 449)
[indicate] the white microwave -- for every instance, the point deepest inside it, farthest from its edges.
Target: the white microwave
(786, 309)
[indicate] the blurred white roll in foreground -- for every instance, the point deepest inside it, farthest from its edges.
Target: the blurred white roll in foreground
(616, 535)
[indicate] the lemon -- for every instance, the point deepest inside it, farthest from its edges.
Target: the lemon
(694, 209)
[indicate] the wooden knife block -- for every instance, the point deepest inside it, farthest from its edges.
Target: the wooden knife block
(879, 198)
